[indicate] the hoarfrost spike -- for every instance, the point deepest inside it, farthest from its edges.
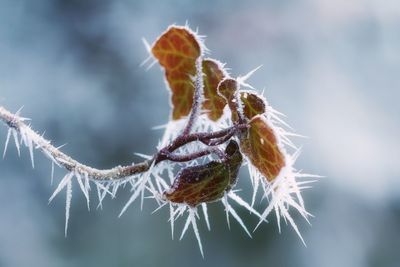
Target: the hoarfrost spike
(265, 213)
(68, 204)
(291, 221)
(7, 140)
(148, 49)
(225, 203)
(138, 191)
(61, 185)
(192, 214)
(159, 207)
(171, 218)
(52, 173)
(83, 189)
(242, 79)
(15, 135)
(19, 111)
(244, 204)
(188, 220)
(205, 213)
(30, 146)
(237, 217)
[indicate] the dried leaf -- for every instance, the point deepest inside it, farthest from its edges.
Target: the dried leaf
(261, 146)
(213, 102)
(208, 182)
(177, 50)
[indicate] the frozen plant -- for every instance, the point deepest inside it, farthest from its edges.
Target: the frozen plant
(215, 128)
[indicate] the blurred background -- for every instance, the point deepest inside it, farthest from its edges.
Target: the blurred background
(331, 66)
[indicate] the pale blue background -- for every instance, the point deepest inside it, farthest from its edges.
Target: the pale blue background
(331, 66)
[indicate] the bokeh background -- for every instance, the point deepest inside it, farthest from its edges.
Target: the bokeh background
(331, 66)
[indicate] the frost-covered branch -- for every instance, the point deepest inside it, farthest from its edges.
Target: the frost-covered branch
(194, 155)
(197, 96)
(107, 178)
(207, 138)
(33, 140)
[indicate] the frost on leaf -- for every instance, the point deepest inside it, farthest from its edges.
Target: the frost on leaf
(252, 104)
(177, 50)
(228, 88)
(213, 102)
(261, 146)
(208, 182)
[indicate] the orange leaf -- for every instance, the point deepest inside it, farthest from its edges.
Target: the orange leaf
(177, 50)
(213, 103)
(261, 146)
(208, 182)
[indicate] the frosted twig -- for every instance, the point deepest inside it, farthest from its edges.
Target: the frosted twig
(197, 97)
(17, 124)
(32, 139)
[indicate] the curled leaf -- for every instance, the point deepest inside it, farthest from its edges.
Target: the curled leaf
(262, 148)
(208, 182)
(228, 89)
(177, 50)
(252, 103)
(213, 102)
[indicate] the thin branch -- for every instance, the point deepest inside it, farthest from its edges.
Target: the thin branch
(204, 137)
(195, 155)
(17, 125)
(197, 97)
(223, 139)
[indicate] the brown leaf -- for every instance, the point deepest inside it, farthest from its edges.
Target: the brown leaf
(208, 182)
(213, 103)
(261, 146)
(228, 89)
(252, 103)
(177, 50)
